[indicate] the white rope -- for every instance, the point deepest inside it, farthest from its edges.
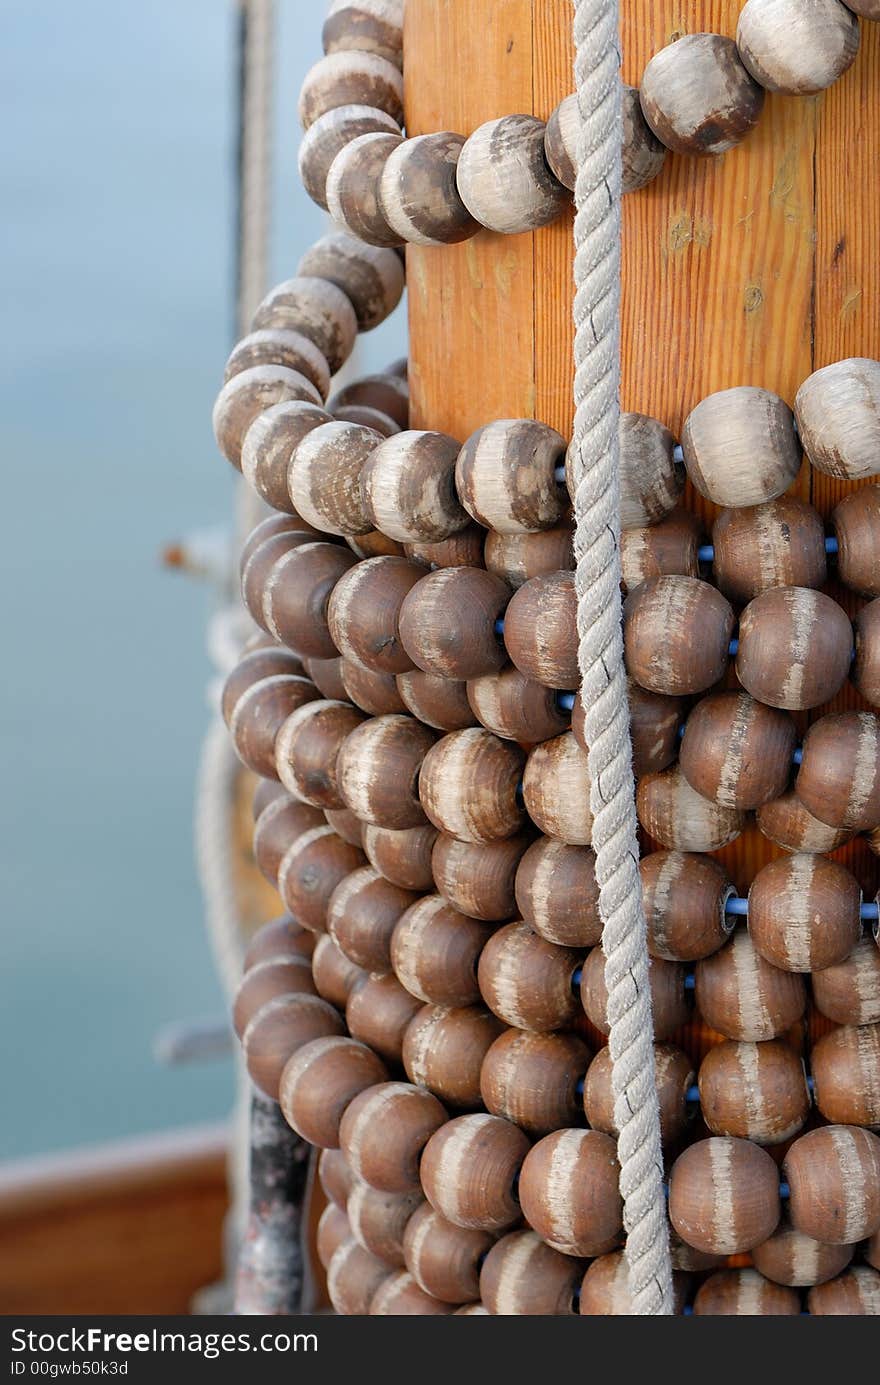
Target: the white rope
(595, 459)
(215, 850)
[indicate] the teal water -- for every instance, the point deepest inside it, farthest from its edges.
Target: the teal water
(116, 157)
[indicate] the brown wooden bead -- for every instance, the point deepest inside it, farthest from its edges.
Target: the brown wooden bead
(556, 789)
(443, 1259)
(280, 1027)
(267, 979)
(804, 912)
(569, 1194)
(849, 993)
(335, 1177)
(469, 1169)
(335, 976)
(778, 544)
(654, 724)
(378, 1220)
(268, 528)
(351, 78)
(526, 981)
(378, 1012)
(403, 857)
(333, 1229)
(668, 1004)
(281, 937)
(353, 1278)
(366, 613)
(326, 674)
(400, 1296)
(464, 549)
(743, 996)
(557, 894)
(352, 188)
(839, 778)
(754, 1091)
(306, 748)
(532, 1079)
(540, 630)
(268, 444)
(786, 821)
(330, 133)
(866, 665)
(605, 1288)
(669, 547)
(435, 951)
(523, 1277)
(838, 414)
(371, 690)
(438, 702)
(258, 573)
(324, 476)
(795, 48)
(856, 521)
(833, 1176)
(468, 786)
(724, 1195)
(443, 1050)
(244, 397)
(368, 26)
(853, 1294)
(259, 714)
(515, 558)
(320, 1081)
(419, 193)
(310, 871)
(316, 308)
(387, 393)
(384, 1132)
(297, 595)
(697, 96)
(361, 915)
(472, 1310)
(514, 707)
(846, 1073)
(447, 622)
(370, 277)
(408, 487)
(251, 669)
(504, 178)
(379, 770)
(744, 1293)
(674, 1075)
(790, 1257)
(684, 894)
(740, 446)
(266, 792)
(505, 476)
(678, 817)
(872, 1250)
(280, 346)
(346, 825)
(642, 153)
(869, 9)
(737, 751)
(368, 545)
(676, 634)
(477, 878)
(795, 648)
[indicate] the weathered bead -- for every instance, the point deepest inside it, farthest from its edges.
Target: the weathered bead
(477, 877)
(523, 1277)
(378, 1012)
(335, 1177)
(258, 715)
(366, 610)
(569, 1194)
(654, 724)
(264, 981)
(324, 476)
(378, 1220)
(795, 48)
(409, 488)
(605, 1288)
(435, 951)
(253, 668)
(368, 26)
(853, 1294)
(472, 1310)
(353, 1278)
(642, 153)
(671, 546)
(724, 1195)
(856, 521)
(698, 97)
(505, 475)
(651, 481)
(872, 1250)
(736, 751)
(387, 393)
(778, 544)
(526, 981)
(516, 708)
(371, 278)
(556, 789)
(833, 1176)
(684, 894)
(346, 825)
(370, 689)
(804, 912)
(361, 915)
(447, 622)
(306, 748)
(378, 771)
(438, 702)
(443, 1259)
(244, 397)
(469, 1169)
(839, 778)
(326, 674)
(849, 993)
(418, 191)
(443, 1050)
(281, 937)
(278, 1029)
(268, 444)
(674, 1074)
(400, 1296)
(330, 133)
(676, 634)
(678, 817)
(740, 446)
(372, 544)
(352, 188)
(795, 648)
(316, 308)
(666, 980)
(838, 414)
(557, 894)
(790, 1257)
(403, 857)
(868, 9)
(517, 557)
(333, 1228)
(297, 595)
(504, 178)
(754, 1091)
(743, 996)
(866, 665)
(786, 821)
(744, 1293)
(540, 630)
(532, 1079)
(280, 346)
(846, 1073)
(320, 1081)
(258, 571)
(384, 1131)
(335, 976)
(310, 871)
(351, 79)
(468, 786)
(464, 549)
(266, 792)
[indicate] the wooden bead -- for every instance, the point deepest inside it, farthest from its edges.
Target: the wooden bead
(310, 871)
(517, 557)
(297, 595)
(804, 912)
(354, 1276)
(668, 1004)
(438, 702)
(443, 1259)
(532, 1079)
(418, 191)
(378, 1012)
(740, 446)
(569, 1194)
(278, 1029)
(557, 894)
(306, 748)
(326, 676)
(683, 895)
(269, 528)
(477, 878)
(642, 152)
(868, 9)
(258, 572)
(324, 477)
(351, 79)
(251, 669)
(464, 549)
(514, 707)
(786, 821)
(654, 725)
(346, 825)
(526, 981)
(366, 613)
(400, 1296)
(849, 993)
(330, 133)
(866, 665)
(468, 786)
(651, 481)
(379, 771)
(244, 397)
(676, 634)
(853, 1294)
(669, 547)
(561, 135)
(374, 692)
(523, 1277)
(698, 97)
(833, 1176)
(839, 778)
(505, 476)
(281, 937)
(352, 188)
(378, 1220)
(743, 996)
(443, 1050)
(556, 789)
(267, 979)
(795, 648)
(370, 277)
(838, 415)
(403, 857)
(856, 521)
(368, 26)
(504, 179)
(736, 751)
(540, 630)
(284, 347)
(447, 622)
(333, 1229)
(268, 444)
(724, 1195)
(872, 1250)
(605, 1288)
(678, 817)
(316, 308)
(795, 48)
(361, 915)
(674, 1074)
(471, 1310)
(320, 1081)
(384, 1132)
(744, 1293)
(258, 715)
(754, 1091)
(335, 976)
(435, 951)
(789, 1257)
(409, 490)
(469, 1169)
(778, 544)
(335, 1177)
(266, 792)
(846, 1073)
(387, 393)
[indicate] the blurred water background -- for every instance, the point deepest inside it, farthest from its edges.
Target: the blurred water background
(117, 153)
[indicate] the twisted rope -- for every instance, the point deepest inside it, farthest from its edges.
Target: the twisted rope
(595, 462)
